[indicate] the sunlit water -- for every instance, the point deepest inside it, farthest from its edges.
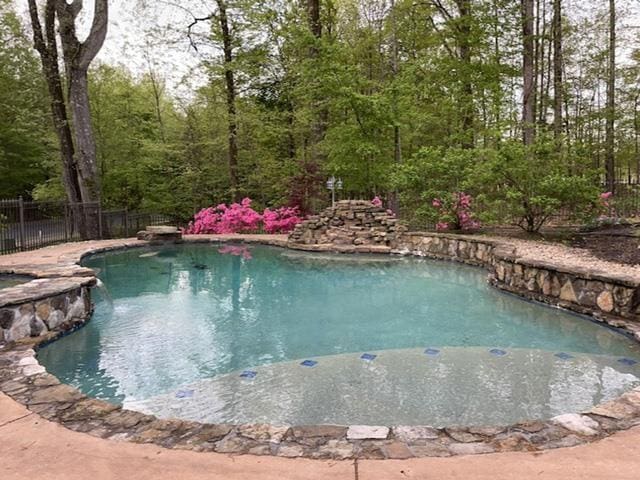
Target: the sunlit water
(230, 334)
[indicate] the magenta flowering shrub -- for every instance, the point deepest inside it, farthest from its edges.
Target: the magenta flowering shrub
(376, 202)
(454, 212)
(281, 220)
(241, 218)
(236, 218)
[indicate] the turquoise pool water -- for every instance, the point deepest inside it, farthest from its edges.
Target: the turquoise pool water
(243, 334)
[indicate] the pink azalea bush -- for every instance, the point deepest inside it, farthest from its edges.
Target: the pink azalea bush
(376, 202)
(281, 220)
(236, 218)
(455, 212)
(241, 218)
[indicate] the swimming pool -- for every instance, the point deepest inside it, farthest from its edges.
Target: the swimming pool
(260, 334)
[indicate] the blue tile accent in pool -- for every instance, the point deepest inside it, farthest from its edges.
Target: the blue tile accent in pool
(368, 356)
(432, 351)
(184, 394)
(563, 356)
(627, 361)
(248, 374)
(309, 363)
(497, 352)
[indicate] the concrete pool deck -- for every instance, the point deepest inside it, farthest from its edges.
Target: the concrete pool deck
(32, 447)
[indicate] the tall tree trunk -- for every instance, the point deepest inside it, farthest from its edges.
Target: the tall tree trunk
(528, 73)
(313, 162)
(313, 17)
(557, 72)
(46, 44)
(77, 58)
(611, 96)
(464, 52)
(230, 87)
(636, 135)
(394, 201)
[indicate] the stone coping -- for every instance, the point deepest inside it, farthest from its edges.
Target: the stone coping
(23, 379)
(41, 288)
(524, 252)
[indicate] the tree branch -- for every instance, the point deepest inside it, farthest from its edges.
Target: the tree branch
(38, 40)
(195, 21)
(92, 45)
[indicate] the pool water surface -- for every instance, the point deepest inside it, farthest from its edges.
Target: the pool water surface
(261, 334)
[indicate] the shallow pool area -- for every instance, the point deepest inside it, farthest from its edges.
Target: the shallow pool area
(261, 334)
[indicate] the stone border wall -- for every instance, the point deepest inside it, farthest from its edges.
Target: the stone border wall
(24, 380)
(44, 306)
(612, 298)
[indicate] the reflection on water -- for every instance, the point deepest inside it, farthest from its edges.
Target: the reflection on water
(190, 312)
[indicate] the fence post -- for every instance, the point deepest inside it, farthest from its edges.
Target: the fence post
(66, 221)
(100, 221)
(22, 226)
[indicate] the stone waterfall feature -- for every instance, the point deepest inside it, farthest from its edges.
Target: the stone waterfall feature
(349, 226)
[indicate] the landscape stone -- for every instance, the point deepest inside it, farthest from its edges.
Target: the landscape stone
(364, 432)
(470, 448)
(397, 450)
(413, 433)
(580, 424)
(605, 301)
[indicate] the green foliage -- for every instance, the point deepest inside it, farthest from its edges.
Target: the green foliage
(529, 186)
(434, 173)
(386, 98)
(26, 142)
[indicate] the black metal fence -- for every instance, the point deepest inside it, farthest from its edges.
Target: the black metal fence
(30, 225)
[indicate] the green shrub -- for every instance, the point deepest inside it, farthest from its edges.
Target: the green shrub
(527, 187)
